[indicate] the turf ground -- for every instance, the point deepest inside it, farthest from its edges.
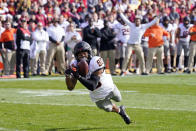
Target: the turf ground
(154, 103)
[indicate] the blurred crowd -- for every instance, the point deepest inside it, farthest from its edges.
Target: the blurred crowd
(38, 36)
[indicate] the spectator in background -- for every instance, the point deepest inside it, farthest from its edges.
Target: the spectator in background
(98, 23)
(41, 38)
(3, 52)
(173, 43)
(90, 35)
(144, 42)
(7, 37)
(63, 22)
(23, 5)
(56, 46)
(174, 14)
(183, 41)
(75, 16)
(85, 23)
(192, 54)
(167, 44)
(155, 34)
(122, 31)
(107, 46)
(183, 13)
(72, 37)
(40, 16)
(134, 43)
(23, 38)
(12, 8)
(92, 3)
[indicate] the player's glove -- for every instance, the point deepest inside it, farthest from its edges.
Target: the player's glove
(74, 72)
(68, 71)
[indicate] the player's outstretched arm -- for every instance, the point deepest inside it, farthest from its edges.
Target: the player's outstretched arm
(93, 82)
(70, 80)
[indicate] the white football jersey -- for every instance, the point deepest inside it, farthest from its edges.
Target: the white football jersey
(105, 85)
(184, 31)
(168, 29)
(122, 32)
(173, 32)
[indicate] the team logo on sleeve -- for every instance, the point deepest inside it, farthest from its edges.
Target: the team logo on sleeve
(100, 61)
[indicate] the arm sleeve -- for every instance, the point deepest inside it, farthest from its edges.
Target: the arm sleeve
(62, 39)
(125, 20)
(146, 26)
(90, 84)
(52, 40)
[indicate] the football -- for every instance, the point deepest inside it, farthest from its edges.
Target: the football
(83, 67)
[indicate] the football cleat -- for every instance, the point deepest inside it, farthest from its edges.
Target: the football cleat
(124, 115)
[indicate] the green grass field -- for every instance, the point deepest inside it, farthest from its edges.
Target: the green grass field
(154, 103)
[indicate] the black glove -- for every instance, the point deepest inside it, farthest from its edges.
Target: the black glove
(75, 72)
(68, 71)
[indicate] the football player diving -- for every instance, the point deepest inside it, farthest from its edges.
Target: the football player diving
(100, 85)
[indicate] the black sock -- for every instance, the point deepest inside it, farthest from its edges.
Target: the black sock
(172, 61)
(116, 61)
(177, 60)
(121, 62)
(165, 66)
(186, 59)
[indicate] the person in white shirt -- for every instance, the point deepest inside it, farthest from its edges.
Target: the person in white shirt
(63, 22)
(56, 46)
(41, 38)
(97, 22)
(137, 30)
(72, 37)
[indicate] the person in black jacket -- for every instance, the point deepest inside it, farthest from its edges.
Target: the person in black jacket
(23, 38)
(107, 47)
(90, 35)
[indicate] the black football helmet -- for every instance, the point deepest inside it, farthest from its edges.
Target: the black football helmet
(166, 21)
(186, 21)
(82, 46)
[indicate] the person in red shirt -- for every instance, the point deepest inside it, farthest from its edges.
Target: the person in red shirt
(40, 17)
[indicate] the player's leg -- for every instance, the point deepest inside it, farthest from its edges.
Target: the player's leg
(61, 58)
(166, 57)
(140, 55)
(151, 53)
(186, 55)
(128, 53)
(191, 56)
(159, 54)
(108, 106)
(179, 51)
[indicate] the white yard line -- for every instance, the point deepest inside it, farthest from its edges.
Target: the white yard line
(63, 78)
(93, 105)
(8, 129)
